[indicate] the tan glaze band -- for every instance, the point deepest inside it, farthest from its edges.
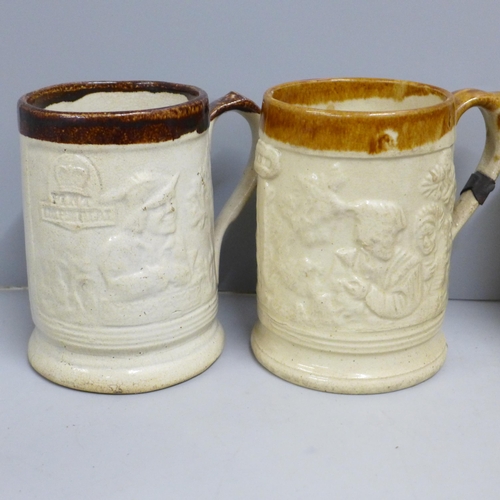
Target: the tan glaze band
(288, 115)
(124, 127)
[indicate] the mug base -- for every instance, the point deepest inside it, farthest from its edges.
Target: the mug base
(348, 373)
(125, 373)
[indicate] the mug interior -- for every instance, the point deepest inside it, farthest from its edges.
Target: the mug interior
(110, 102)
(360, 95)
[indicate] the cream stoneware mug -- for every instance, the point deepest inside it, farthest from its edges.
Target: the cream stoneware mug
(122, 249)
(356, 215)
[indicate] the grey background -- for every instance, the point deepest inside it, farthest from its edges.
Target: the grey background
(245, 46)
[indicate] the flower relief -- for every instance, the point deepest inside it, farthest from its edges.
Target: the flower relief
(267, 160)
(433, 240)
(439, 183)
(429, 221)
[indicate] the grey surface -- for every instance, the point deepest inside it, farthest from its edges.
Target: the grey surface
(238, 432)
(245, 46)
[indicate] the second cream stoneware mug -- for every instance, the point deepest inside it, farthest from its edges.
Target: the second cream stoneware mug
(121, 246)
(356, 215)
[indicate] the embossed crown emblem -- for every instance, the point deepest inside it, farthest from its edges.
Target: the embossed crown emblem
(72, 178)
(74, 189)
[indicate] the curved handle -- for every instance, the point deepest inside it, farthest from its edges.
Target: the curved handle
(482, 181)
(251, 112)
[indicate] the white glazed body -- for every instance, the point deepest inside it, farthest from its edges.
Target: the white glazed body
(353, 254)
(121, 262)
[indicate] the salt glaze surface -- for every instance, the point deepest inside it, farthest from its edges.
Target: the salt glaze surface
(121, 255)
(354, 246)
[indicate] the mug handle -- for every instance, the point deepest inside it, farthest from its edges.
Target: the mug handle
(251, 112)
(482, 181)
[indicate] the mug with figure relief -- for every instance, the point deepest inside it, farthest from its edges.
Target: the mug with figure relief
(122, 249)
(356, 215)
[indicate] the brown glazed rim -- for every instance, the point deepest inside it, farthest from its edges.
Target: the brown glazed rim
(113, 127)
(286, 116)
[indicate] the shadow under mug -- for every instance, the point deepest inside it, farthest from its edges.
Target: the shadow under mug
(356, 215)
(121, 244)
